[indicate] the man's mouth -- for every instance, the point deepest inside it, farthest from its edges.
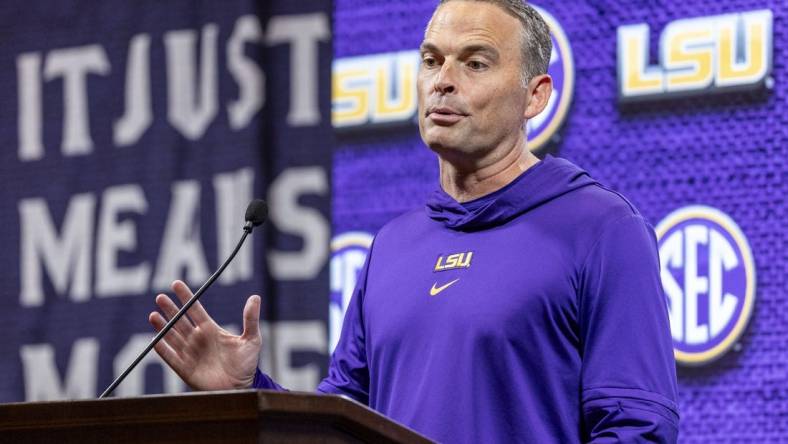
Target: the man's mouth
(444, 116)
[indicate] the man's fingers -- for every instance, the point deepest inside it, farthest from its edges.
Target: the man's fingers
(197, 313)
(157, 321)
(172, 338)
(170, 357)
(252, 318)
(170, 310)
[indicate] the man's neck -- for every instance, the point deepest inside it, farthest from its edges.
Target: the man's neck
(468, 183)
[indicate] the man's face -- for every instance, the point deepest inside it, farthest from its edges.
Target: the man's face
(471, 98)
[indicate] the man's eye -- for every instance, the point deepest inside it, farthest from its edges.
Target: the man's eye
(476, 65)
(429, 62)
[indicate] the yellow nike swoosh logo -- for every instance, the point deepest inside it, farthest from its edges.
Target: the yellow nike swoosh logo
(435, 290)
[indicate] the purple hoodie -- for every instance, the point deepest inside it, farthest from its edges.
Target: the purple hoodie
(533, 314)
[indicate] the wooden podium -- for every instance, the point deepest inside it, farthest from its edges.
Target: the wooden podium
(240, 416)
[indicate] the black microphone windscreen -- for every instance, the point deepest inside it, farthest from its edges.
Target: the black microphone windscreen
(257, 212)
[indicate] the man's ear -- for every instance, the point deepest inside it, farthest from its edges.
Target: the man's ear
(540, 88)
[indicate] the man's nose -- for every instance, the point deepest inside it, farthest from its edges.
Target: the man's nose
(445, 81)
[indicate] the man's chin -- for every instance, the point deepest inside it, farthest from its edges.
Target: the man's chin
(448, 149)
(443, 139)
(441, 145)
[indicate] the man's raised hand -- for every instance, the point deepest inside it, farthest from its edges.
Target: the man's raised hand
(204, 355)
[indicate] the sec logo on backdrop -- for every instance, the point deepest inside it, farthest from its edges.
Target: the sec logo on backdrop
(348, 252)
(708, 274)
(562, 69)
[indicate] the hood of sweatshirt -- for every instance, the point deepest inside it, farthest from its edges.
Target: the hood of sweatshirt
(538, 185)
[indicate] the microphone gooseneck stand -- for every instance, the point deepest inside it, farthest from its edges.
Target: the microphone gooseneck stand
(255, 215)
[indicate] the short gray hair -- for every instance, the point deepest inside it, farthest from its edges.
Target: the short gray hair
(535, 38)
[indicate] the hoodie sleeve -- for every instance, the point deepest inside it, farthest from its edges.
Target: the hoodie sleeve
(263, 381)
(628, 378)
(348, 372)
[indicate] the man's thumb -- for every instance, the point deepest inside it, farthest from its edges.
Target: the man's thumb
(252, 318)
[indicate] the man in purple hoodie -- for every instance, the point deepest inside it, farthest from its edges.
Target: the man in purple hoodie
(522, 304)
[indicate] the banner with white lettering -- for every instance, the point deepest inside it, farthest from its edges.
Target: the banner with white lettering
(134, 135)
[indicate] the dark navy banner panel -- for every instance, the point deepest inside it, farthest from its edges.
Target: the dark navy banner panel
(680, 106)
(134, 135)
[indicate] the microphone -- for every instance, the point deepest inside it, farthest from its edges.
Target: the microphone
(256, 214)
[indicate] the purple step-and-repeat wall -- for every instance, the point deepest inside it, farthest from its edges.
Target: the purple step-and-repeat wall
(681, 106)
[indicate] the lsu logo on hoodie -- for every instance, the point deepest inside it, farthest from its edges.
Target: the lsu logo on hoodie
(452, 261)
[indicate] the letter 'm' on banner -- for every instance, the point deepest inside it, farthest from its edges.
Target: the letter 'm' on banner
(42, 382)
(67, 258)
